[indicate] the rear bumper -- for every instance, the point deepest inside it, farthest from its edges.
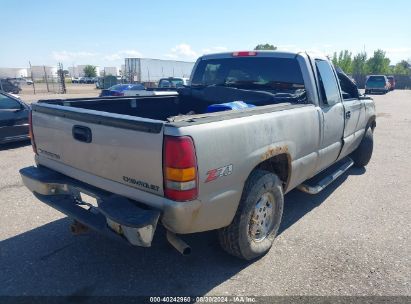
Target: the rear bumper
(376, 90)
(114, 216)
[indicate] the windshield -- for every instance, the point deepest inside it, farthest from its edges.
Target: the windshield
(250, 73)
(171, 82)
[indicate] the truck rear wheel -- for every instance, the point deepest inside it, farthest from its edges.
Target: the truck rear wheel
(258, 217)
(362, 155)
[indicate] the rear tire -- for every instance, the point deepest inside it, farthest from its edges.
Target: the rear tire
(362, 155)
(258, 217)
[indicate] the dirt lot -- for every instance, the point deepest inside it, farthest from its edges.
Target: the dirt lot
(74, 90)
(351, 239)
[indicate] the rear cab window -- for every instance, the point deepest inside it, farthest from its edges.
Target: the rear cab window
(276, 75)
(267, 72)
(379, 79)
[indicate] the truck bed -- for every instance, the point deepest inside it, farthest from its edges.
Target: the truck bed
(178, 107)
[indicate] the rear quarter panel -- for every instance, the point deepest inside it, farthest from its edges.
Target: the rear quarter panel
(243, 143)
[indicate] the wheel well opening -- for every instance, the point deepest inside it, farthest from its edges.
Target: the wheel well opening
(373, 124)
(280, 165)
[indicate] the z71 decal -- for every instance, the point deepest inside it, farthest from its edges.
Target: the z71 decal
(219, 172)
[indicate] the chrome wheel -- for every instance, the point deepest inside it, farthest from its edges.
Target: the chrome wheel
(262, 220)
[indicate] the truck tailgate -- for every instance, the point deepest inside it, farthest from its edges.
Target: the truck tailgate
(120, 148)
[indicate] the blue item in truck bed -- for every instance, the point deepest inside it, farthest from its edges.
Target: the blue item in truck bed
(235, 105)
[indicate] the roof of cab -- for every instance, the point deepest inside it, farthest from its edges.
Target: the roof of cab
(264, 53)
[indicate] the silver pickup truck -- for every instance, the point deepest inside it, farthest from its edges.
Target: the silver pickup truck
(220, 155)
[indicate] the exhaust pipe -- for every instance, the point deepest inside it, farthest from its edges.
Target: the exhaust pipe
(77, 228)
(178, 243)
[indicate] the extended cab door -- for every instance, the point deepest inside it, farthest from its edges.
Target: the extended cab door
(332, 111)
(354, 115)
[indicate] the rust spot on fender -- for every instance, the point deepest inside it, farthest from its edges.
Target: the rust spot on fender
(273, 152)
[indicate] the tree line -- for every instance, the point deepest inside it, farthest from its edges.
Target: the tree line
(360, 64)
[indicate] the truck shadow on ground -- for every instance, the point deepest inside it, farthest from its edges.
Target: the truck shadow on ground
(50, 261)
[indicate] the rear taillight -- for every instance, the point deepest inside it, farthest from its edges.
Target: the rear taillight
(31, 134)
(244, 54)
(180, 168)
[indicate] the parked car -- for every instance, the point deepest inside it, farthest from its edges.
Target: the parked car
(120, 89)
(172, 82)
(82, 80)
(20, 81)
(106, 82)
(251, 127)
(88, 80)
(9, 87)
(392, 82)
(14, 113)
(16, 81)
(377, 84)
(75, 80)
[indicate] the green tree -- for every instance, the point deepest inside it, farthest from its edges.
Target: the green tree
(265, 47)
(343, 60)
(402, 68)
(335, 59)
(90, 71)
(378, 64)
(359, 64)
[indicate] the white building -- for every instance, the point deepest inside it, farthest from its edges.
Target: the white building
(73, 71)
(114, 71)
(13, 72)
(78, 70)
(152, 70)
(41, 71)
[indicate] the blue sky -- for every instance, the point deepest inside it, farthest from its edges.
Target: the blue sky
(104, 32)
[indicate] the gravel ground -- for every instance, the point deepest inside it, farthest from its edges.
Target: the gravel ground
(351, 239)
(74, 90)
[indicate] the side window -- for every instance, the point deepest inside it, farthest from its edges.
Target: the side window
(7, 103)
(348, 88)
(328, 83)
(211, 73)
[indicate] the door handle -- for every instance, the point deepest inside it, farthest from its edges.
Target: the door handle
(348, 115)
(82, 133)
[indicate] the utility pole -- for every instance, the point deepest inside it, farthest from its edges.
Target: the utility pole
(45, 77)
(32, 80)
(61, 79)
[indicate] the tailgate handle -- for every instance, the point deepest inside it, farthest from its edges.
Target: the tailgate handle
(82, 133)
